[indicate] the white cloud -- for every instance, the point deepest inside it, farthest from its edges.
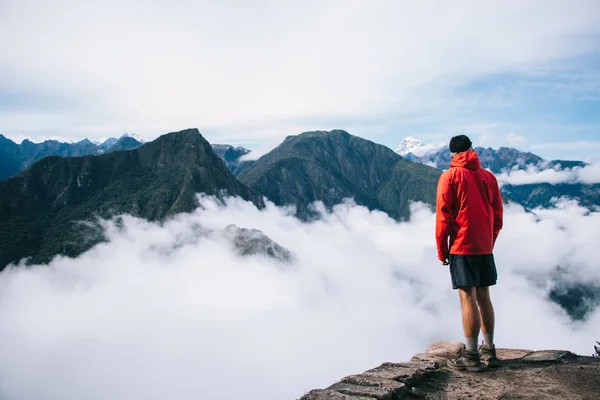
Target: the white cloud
(485, 139)
(516, 141)
(151, 68)
(587, 150)
(589, 174)
(160, 313)
(426, 148)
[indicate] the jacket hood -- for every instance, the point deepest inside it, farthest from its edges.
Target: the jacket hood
(466, 159)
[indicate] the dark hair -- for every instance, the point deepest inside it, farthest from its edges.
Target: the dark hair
(460, 143)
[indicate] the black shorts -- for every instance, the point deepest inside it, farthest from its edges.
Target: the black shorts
(476, 271)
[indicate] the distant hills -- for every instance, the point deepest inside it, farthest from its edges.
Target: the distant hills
(14, 158)
(507, 159)
(497, 161)
(42, 209)
(231, 155)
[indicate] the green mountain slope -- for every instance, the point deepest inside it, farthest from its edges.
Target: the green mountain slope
(40, 209)
(544, 194)
(332, 166)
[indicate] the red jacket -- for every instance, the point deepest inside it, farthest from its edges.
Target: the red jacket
(468, 208)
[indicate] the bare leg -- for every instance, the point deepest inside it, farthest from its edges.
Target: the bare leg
(486, 309)
(470, 359)
(470, 312)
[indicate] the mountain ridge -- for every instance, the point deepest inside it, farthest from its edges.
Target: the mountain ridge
(17, 157)
(156, 180)
(330, 166)
(506, 160)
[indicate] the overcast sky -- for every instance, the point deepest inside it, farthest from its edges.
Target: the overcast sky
(523, 73)
(163, 313)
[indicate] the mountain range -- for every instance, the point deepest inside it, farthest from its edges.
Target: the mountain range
(14, 158)
(498, 161)
(506, 160)
(42, 207)
(53, 206)
(47, 209)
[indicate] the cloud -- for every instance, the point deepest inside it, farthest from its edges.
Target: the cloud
(590, 174)
(260, 150)
(420, 151)
(163, 312)
(217, 66)
(576, 145)
(516, 141)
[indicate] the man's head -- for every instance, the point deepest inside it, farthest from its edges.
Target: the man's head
(460, 143)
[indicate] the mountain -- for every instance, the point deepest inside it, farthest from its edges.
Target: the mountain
(409, 145)
(15, 158)
(231, 155)
(107, 143)
(497, 161)
(530, 195)
(544, 194)
(332, 166)
(124, 143)
(47, 209)
(412, 148)
(252, 241)
(10, 158)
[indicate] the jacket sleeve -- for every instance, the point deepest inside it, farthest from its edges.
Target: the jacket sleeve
(443, 216)
(498, 210)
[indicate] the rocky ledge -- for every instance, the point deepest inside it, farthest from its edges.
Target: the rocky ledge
(523, 374)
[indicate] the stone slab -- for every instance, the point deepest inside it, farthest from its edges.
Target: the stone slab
(512, 354)
(444, 349)
(548, 356)
(410, 373)
(366, 379)
(320, 394)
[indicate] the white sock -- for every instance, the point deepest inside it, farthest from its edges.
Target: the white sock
(488, 339)
(471, 343)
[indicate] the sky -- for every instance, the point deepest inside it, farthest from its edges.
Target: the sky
(507, 73)
(172, 311)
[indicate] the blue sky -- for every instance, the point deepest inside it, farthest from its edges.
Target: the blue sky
(504, 73)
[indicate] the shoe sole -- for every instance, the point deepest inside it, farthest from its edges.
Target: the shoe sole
(491, 362)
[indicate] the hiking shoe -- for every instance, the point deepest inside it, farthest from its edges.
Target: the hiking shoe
(469, 360)
(488, 357)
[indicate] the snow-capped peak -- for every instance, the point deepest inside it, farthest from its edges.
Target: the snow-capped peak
(408, 145)
(414, 146)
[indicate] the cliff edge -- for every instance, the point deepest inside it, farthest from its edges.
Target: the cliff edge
(523, 374)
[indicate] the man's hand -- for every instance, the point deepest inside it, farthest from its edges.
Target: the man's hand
(445, 262)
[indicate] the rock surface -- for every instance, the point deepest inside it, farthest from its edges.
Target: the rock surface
(523, 374)
(252, 241)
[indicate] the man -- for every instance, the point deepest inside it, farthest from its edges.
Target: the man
(469, 217)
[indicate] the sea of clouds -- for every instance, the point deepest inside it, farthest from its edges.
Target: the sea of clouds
(162, 311)
(589, 174)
